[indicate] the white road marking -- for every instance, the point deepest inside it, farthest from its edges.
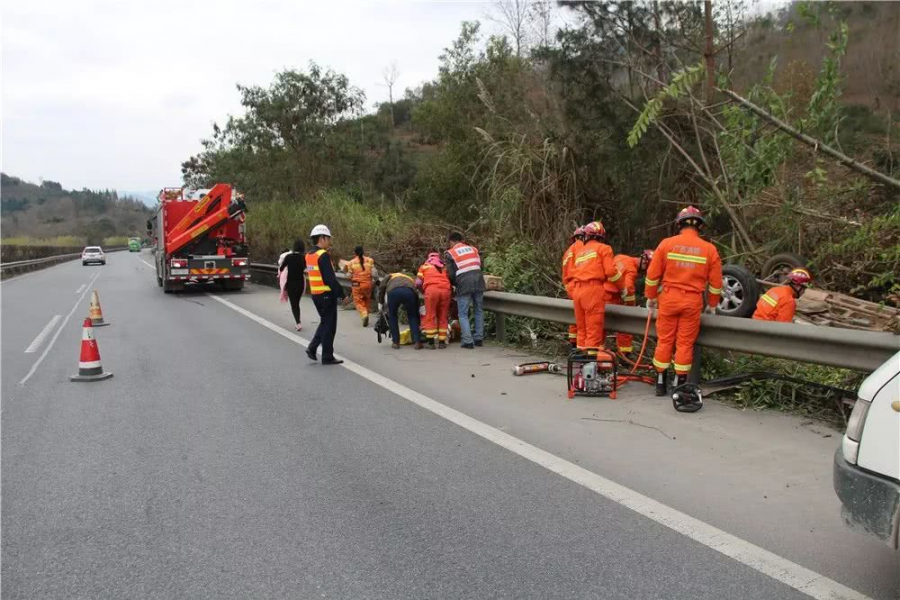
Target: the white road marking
(781, 569)
(43, 334)
(146, 263)
(81, 289)
(43, 355)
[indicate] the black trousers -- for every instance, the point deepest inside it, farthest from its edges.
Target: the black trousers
(409, 300)
(327, 307)
(294, 291)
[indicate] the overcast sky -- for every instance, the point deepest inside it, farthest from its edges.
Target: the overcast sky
(115, 94)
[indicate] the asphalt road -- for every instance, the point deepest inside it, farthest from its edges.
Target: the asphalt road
(218, 463)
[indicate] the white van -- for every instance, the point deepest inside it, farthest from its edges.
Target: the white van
(867, 465)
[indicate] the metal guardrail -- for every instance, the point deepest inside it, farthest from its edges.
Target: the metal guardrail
(21, 266)
(829, 346)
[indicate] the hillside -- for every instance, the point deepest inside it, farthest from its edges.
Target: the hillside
(47, 211)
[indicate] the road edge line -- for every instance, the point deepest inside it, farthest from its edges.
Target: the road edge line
(768, 563)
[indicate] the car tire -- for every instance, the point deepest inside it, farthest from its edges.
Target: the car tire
(740, 291)
(776, 268)
(103, 263)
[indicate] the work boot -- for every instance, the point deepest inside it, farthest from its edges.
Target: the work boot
(332, 361)
(312, 355)
(479, 343)
(365, 320)
(467, 346)
(661, 383)
(442, 345)
(395, 346)
(419, 345)
(430, 344)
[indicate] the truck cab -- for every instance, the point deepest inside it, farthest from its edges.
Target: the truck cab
(198, 238)
(867, 465)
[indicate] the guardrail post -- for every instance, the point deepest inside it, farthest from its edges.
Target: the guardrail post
(500, 325)
(694, 376)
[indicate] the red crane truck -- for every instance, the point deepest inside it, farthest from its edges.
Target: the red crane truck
(200, 240)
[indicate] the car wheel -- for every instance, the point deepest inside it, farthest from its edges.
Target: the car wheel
(83, 264)
(103, 263)
(777, 267)
(739, 292)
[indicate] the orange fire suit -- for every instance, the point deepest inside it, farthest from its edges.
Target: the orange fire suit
(593, 267)
(778, 304)
(361, 280)
(687, 266)
(622, 292)
(568, 264)
(436, 286)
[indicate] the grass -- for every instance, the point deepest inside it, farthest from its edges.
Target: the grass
(62, 241)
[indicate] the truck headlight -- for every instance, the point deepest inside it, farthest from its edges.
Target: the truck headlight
(857, 420)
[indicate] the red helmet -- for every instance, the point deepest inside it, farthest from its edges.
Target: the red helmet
(594, 229)
(800, 277)
(579, 231)
(647, 256)
(688, 214)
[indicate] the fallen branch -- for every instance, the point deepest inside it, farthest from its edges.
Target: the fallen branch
(814, 143)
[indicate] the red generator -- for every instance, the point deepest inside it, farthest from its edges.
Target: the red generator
(590, 374)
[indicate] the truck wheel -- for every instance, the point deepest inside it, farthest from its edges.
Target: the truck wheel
(739, 292)
(159, 281)
(233, 284)
(777, 267)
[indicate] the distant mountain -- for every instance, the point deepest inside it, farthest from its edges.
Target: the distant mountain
(47, 210)
(147, 197)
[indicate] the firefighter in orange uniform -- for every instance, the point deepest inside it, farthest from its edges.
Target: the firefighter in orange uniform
(360, 269)
(568, 264)
(622, 292)
(780, 303)
(687, 266)
(593, 267)
(433, 281)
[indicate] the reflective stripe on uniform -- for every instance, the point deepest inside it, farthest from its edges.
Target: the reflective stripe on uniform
(585, 257)
(683, 368)
(616, 277)
(700, 260)
(629, 298)
(649, 281)
(770, 300)
(715, 291)
(624, 349)
(660, 365)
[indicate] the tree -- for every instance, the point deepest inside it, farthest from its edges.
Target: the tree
(513, 17)
(389, 75)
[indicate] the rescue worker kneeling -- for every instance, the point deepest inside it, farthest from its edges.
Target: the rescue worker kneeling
(593, 267)
(780, 303)
(622, 292)
(433, 281)
(687, 266)
(568, 276)
(399, 289)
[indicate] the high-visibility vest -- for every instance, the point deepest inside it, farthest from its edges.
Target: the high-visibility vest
(688, 263)
(466, 258)
(316, 284)
(361, 273)
(777, 304)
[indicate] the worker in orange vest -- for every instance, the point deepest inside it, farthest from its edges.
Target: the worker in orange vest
(568, 264)
(593, 267)
(688, 267)
(432, 279)
(780, 303)
(360, 269)
(621, 292)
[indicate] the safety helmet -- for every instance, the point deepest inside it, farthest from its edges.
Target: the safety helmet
(690, 216)
(434, 259)
(594, 229)
(646, 257)
(579, 232)
(800, 277)
(320, 230)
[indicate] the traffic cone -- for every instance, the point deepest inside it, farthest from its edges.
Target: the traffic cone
(89, 367)
(96, 313)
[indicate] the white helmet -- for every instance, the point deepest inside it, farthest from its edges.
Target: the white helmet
(320, 230)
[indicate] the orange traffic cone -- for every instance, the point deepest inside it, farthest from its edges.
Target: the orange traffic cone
(89, 367)
(96, 313)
